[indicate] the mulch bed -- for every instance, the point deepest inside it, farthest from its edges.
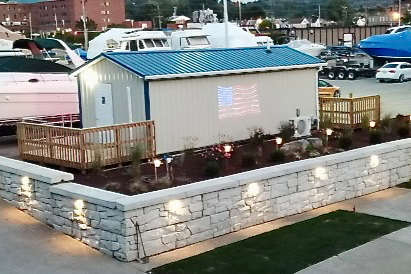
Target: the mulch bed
(192, 168)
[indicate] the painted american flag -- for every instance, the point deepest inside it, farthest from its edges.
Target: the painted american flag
(237, 101)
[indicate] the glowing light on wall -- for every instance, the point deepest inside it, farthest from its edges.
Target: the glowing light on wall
(175, 207)
(79, 214)
(26, 187)
(374, 161)
(321, 173)
(253, 189)
(237, 101)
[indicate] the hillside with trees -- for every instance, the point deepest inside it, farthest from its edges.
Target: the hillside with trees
(336, 10)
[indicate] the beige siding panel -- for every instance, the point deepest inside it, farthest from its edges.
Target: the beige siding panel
(189, 107)
(107, 72)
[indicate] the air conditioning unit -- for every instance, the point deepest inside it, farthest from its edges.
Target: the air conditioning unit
(302, 126)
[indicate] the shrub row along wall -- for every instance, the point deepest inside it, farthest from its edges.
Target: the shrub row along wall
(177, 217)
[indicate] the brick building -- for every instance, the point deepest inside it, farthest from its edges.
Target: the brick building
(47, 15)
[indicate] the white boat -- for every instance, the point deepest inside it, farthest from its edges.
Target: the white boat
(32, 87)
(189, 39)
(264, 40)
(306, 47)
(237, 37)
(127, 40)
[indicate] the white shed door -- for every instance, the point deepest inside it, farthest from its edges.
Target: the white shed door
(104, 105)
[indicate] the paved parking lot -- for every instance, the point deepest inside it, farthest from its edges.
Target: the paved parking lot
(395, 97)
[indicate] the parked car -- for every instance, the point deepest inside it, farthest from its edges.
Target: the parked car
(395, 71)
(326, 89)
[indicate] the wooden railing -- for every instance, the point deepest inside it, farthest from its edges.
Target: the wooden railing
(349, 112)
(85, 148)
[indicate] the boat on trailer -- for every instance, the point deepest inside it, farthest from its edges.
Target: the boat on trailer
(389, 47)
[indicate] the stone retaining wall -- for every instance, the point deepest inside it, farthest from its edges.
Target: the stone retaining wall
(173, 218)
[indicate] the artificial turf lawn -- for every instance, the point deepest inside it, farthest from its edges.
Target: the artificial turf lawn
(291, 248)
(405, 185)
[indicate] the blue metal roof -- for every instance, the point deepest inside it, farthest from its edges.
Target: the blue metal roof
(162, 63)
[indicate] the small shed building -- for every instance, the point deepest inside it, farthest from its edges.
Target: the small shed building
(199, 94)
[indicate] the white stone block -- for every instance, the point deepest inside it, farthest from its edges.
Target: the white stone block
(200, 237)
(179, 216)
(146, 218)
(156, 223)
(196, 207)
(279, 190)
(154, 247)
(200, 225)
(220, 217)
(185, 234)
(229, 193)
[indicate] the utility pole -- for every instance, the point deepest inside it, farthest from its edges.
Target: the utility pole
(83, 4)
(55, 19)
(239, 10)
(345, 14)
(272, 14)
(159, 15)
(319, 15)
(31, 27)
(399, 12)
(226, 23)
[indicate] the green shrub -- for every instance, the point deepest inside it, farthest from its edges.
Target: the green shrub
(277, 156)
(365, 122)
(212, 168)
(386, 122)
(403, 131)
(345, 141)
(256, 136)
(137, 153)
(97, 163)
(248, 160)
(375, 136)
(326, 122)
(287, 131)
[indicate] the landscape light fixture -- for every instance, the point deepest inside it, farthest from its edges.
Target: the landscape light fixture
(227, 148)
(168, 167)
(328, 132)
(278, 142)
(157, 164)
(372, 124)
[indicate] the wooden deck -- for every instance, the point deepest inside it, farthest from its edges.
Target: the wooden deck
(82, 148)
(348, 112)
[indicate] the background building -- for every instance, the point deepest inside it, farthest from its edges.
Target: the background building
(49, 15)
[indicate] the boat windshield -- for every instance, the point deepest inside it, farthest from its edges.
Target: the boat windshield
(298, 43)
(390, 66)
(389, 31)
(149, 43)
(198, 41)
(397, 30)
(165, 43)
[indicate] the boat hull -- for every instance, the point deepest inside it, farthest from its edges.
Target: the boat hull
(389, 47)
(31, 95)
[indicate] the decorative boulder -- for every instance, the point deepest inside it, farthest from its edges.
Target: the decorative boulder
(317, 143)
(295, 146)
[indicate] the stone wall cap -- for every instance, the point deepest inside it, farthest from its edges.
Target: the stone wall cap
(88, 194)
(43, 174)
